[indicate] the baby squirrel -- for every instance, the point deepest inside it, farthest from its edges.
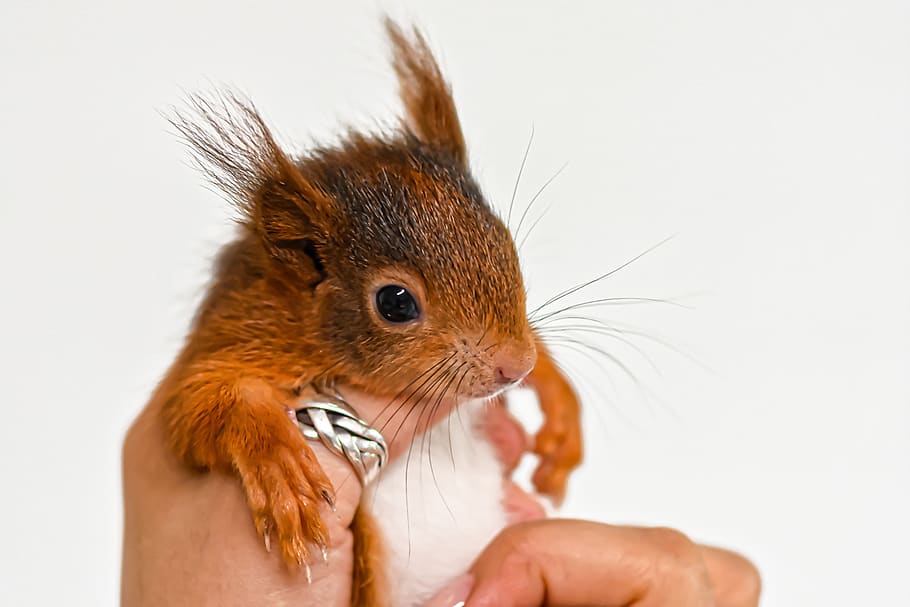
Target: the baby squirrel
(372, 263)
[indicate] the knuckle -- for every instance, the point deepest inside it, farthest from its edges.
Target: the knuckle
(678, 563)
(518, 540)
(745, 588)
(673, 542)
(516, 562)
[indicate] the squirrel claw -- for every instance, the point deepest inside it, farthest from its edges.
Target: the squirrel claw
(329, 499)
(282, 490)
(267, 538)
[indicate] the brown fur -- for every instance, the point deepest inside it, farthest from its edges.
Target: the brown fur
(291, 299)
(368, 588)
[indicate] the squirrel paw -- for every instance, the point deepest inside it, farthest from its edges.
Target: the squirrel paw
(506, 435)
(559, 445)
(284, 486)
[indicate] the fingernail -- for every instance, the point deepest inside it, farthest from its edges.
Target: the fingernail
(456, 592)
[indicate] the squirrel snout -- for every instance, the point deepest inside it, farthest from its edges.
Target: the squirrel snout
(513, 363)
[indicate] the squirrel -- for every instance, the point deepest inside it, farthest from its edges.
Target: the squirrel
(370, 263)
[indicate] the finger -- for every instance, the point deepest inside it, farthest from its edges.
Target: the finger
(567, 562)
(736, 581)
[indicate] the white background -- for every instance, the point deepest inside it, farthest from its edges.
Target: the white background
(773, 138)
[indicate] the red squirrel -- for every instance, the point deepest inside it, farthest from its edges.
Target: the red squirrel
(372, 263)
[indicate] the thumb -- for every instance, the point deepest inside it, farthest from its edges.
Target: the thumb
(454, 594)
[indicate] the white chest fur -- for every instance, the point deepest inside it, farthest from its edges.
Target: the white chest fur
(438, 507)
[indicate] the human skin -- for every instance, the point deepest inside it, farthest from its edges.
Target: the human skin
(189, 540)
(570, 562)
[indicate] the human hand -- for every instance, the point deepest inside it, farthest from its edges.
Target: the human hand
(568, 562)
(189, 538)
(562, 563)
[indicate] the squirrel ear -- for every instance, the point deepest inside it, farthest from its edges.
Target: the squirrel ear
(237, 152)
(429, 108)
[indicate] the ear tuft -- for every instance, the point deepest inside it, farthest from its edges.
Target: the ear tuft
(236, 151)
(429, 108)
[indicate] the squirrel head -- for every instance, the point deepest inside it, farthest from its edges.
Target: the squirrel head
(405, 277)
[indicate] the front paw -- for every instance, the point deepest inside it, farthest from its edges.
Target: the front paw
(559, 441)
(284, 487)
(506, 434)
(559, 447)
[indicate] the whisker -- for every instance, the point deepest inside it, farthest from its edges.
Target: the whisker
(606, 332)
(429, 438)
(401, 405)
(536, 196)
(428, 401)
(592, 281)
(407, 501)
(534, 225)
(518, 179)
(627, 329)
(637, 332)
(417, 395)
(612, 301)
(407, 461)
(648, 395)
(595, 397)
(595, 387)
(401, 392)
(611, 357)
(449, 419)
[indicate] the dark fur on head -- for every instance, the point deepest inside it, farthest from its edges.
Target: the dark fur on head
(293, 295)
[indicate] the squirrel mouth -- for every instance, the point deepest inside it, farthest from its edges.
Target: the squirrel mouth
(421, 405)
(501, 390)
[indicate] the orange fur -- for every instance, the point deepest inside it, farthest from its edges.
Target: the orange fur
(559, 441)
(368, 587)
(290, 302)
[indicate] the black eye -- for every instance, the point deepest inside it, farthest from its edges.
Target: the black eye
(396, 304)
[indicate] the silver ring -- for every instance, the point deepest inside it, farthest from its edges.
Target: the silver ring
(331, 420)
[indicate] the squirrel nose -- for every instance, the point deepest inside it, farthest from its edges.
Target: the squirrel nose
(513, 363)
